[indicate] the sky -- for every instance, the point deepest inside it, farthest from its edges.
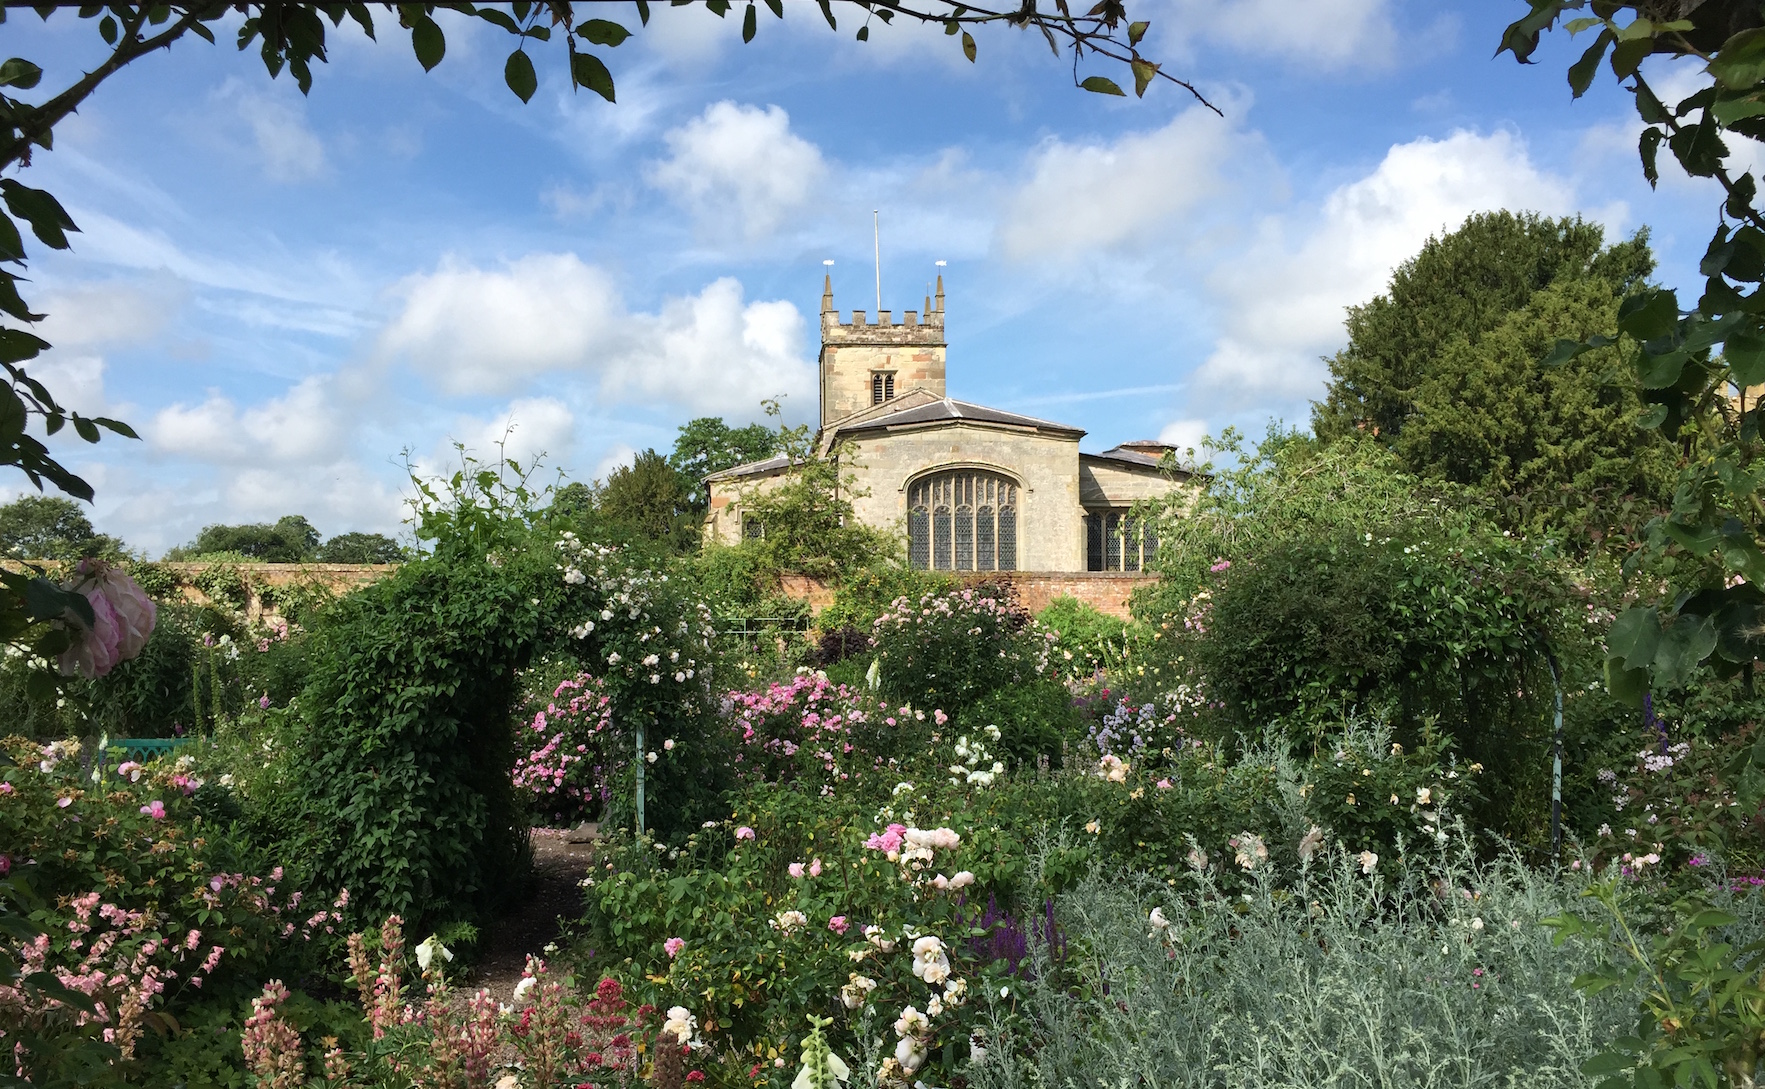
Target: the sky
(292, 297)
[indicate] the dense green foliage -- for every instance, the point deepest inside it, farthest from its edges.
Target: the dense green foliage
(1443, 367)
(652, 501)
(356, 547)
(707, 445)
(39, 527)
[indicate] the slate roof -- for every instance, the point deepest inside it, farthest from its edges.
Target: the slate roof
(752, 468)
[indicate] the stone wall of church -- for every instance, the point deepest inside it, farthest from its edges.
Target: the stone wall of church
(1106, 591)
(1102, 484)
(723, 522)
(1050, 528)
(851, 353)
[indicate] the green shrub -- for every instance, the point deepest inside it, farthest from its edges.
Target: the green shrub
(1087, 641)
(951, 649)
(398, 786)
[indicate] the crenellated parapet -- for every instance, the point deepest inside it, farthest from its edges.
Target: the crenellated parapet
(865, 361)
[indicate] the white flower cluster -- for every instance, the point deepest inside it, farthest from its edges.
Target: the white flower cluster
(636, 595)
(913, 1028)
(57, 751)
(975, 759)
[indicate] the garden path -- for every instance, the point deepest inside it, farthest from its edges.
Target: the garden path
(553, 892)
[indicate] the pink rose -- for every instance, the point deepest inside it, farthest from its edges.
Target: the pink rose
(796, 869)
(744, 832)
(122, 619)
(1163, 784)
(674, 946)
(815, 867)
(838, 924)
(155, 809)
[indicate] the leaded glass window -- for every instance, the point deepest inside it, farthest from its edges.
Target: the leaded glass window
(882, 387)
(1115, 540)
(962, 520)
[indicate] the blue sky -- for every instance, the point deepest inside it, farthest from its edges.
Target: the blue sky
(282, 293)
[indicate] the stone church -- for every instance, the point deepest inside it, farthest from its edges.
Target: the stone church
(972, 488)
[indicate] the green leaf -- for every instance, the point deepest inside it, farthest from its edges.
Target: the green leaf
(1565, 351)
(497, 18)
(518, 74)
(777, 7)
(1652, 418)
(428, 42)
(1740, 63)
(1688, 642)
(750, 22)
(86, 428)
(1144, 72)
(863, 34)
(827, 13)
(1136, 31)
(1102, 85)
(20, 73)
(643, 12)
(588, 71)
(1581, 73)
(1635, 635)
(115, 427)
(1649, 147)
(968, 46)
(48, 220)
(107, 30)
(1649, 314)
(1629, 55)
(1611, 1062)
(1745, 355)
(603, 32)
(1627, 686)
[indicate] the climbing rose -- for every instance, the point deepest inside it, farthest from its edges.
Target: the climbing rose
(674, 946)
(122, 619)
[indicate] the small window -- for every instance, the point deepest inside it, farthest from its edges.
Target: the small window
(882, 387)
(753, 529)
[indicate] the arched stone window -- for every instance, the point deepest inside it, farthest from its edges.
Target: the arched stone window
(962, 520)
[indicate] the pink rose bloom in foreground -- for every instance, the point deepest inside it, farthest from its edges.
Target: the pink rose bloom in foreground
(674, 946)
(744, 832)
(122, 619)
(155, 809)
(838, 924)
(796, 869)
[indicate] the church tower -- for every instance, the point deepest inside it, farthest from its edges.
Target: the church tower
(864, 364)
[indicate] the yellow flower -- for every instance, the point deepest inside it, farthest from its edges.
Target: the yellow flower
(1350, 799)
(1093, 828)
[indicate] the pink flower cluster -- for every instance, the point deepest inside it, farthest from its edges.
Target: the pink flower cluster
(565, 767)
(122, 619)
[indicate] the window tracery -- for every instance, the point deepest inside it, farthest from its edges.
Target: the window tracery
(962, 520)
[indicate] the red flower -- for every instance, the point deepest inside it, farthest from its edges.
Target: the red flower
(695, 1075)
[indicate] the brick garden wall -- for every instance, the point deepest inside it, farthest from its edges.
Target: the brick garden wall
(1105, 591)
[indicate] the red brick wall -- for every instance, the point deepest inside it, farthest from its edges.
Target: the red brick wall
(1105, 591)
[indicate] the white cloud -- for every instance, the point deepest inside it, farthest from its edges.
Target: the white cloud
(305, 426)
(1285, 295)
(1084, 197)
(713, 353)
(1184, 434)
(288, 149)
(477, 330)
(739, 169)
(528, 428)
(1326, 34)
